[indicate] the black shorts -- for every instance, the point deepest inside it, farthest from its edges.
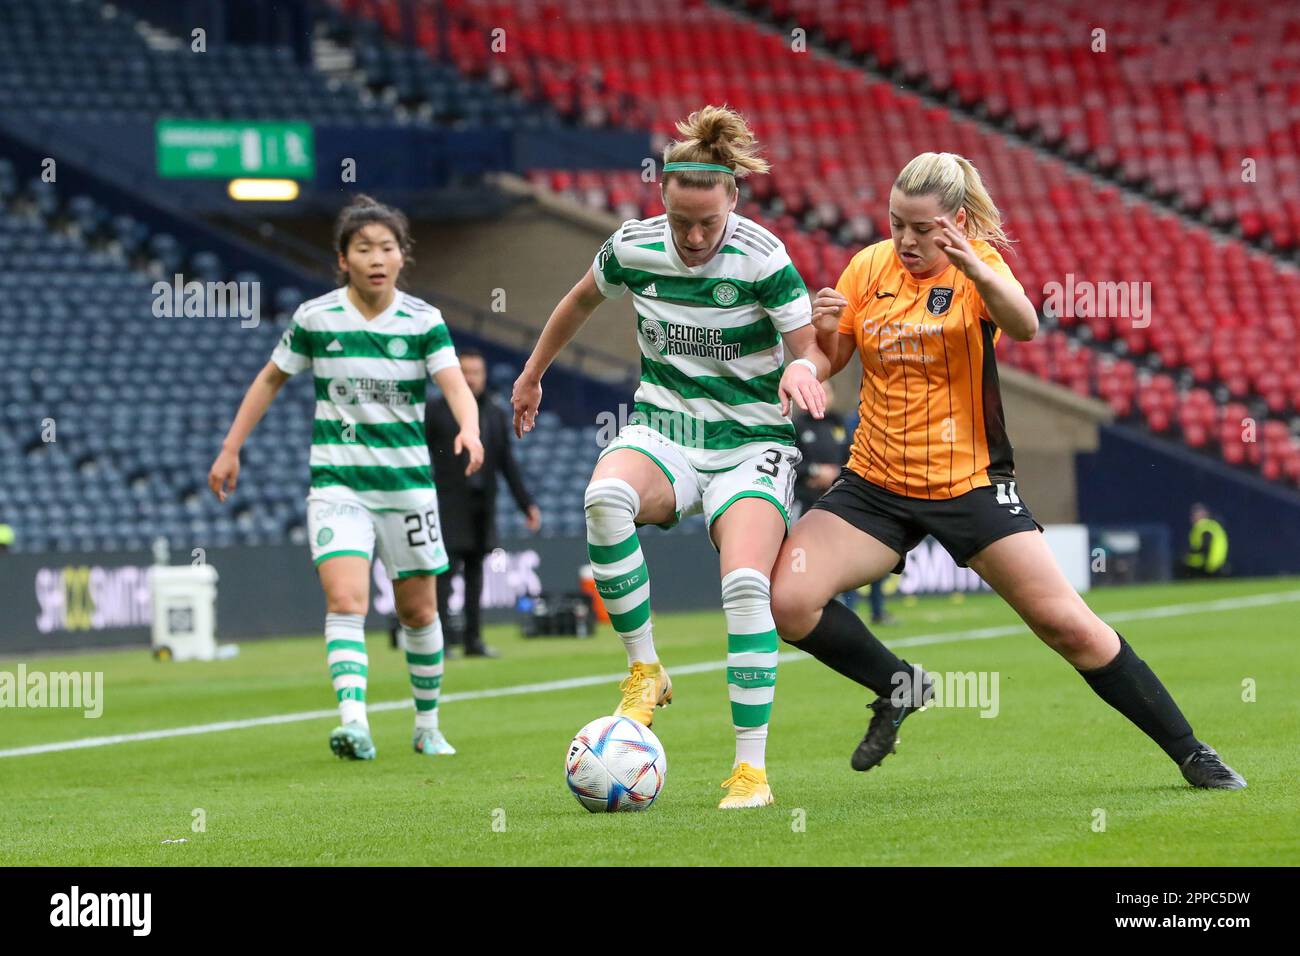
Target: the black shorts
(964, 525)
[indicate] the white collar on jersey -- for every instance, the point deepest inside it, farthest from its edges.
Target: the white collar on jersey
(670, 245)
(355, 313)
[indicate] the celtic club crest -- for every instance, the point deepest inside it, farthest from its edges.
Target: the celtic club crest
(724, 293)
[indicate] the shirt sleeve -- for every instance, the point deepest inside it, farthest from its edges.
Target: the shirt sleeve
(782, 293)
(438, 350)
(607, 271)
(293, 354)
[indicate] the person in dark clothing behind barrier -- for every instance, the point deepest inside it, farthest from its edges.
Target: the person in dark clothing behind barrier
(467, 504)
(825, 448)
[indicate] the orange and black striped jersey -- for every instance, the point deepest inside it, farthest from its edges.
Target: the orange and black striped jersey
(931, 412)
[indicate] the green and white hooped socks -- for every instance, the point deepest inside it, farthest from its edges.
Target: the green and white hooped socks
(424, 661)
(345, 650)
(751, 660)
(619, 567)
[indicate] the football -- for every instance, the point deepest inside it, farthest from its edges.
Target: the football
(615, 764)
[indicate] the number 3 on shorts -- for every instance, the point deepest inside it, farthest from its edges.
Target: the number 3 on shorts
(771, 466)
(417, 524)
(773, 458)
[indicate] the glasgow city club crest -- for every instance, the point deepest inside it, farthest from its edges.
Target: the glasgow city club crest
(939, 301)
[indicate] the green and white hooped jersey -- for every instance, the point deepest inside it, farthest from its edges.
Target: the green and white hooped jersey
(367, 440)
(711, 354)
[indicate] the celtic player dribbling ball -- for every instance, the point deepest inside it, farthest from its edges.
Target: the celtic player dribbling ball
(720, 306)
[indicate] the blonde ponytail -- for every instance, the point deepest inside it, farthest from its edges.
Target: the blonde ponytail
(717, 135)
(955, 182)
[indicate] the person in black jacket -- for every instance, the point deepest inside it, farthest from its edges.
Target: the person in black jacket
(824, 444)
(467, 504)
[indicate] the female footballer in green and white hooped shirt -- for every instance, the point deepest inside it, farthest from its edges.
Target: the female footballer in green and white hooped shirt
(371, 349)
(716, 296)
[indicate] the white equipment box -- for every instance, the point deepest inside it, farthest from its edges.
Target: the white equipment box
(184, 612)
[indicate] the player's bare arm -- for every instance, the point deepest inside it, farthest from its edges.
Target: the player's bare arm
(465, 410)
(828, 308)
(224, 473)
(799, 383)
(1008, 307)
(569, 316)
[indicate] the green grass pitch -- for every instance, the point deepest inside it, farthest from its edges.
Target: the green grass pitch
(1021, 788)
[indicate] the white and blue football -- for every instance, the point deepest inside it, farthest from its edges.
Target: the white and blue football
(615, 764)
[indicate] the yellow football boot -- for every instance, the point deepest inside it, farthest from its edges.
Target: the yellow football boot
(746, 787)
(646, 687)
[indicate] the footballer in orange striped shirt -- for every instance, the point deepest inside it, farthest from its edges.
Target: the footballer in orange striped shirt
(932, 423)
(922, 312)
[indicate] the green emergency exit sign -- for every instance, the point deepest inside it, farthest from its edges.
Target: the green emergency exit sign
(220, 148)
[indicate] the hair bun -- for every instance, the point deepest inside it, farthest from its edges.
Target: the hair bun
(717, 134)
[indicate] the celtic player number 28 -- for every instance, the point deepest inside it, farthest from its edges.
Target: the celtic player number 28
(415, 524)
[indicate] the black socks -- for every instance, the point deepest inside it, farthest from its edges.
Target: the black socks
(842, 642)
(1130, 686)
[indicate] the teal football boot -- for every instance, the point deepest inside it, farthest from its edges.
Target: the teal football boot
(431, 742)
(352, 740)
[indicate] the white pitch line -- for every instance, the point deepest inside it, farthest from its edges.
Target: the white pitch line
(1141, 614)
(787, 657)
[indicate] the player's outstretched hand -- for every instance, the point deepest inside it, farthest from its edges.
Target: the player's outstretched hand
(957, 248)
(828, 306)
(525, 399)
(802, 386)
(224, 474)
(469, 440)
